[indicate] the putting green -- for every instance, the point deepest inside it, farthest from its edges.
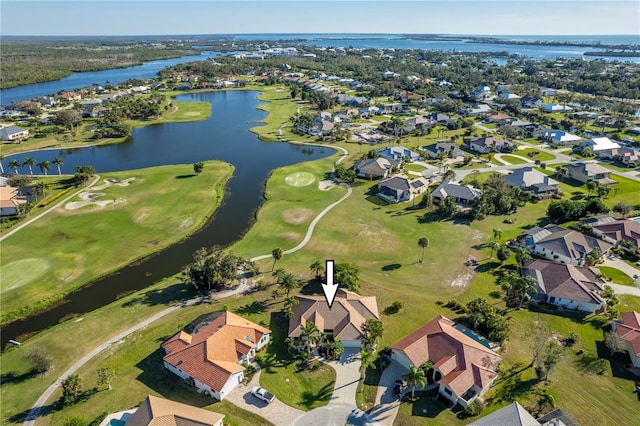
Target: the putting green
(300, 179)
(21, 272)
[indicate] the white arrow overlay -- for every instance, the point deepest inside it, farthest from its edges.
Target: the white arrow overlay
(329, 289)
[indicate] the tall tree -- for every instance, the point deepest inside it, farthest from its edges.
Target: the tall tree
(310, 332)
(526, 286)
(44, 167)
(424, 243)
(277, 255)
(372, 330)
(71, 389)
(58, 163)
(14, 164)
(198, 167)
(415, 377)
(552, 355)
(317, 267)
(106, 376)
(367, 360)
(288, 282)
(28, 161)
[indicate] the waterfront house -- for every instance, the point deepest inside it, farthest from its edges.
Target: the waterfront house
(210, 353)
(13, 134)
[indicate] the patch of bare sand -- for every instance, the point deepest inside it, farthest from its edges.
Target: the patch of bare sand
(291, 236)
(462, 280)
(89, 196)
(296, 216)
(325, 185)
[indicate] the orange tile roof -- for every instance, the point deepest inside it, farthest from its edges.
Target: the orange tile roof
(461, 360)
(347, 314)
(210, 355)
(154, 411)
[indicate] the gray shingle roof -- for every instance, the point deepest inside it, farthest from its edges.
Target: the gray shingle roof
(511, 415)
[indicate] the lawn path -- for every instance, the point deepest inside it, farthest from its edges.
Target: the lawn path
(30, 221)
(37, 407)
(41, 401)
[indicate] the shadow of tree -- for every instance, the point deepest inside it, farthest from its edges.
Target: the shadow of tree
(311, 287)
(255, 307)
(309, 398)
(10, 377)
(174, 293)
(391, 267)
(185, 176)
(510, 385)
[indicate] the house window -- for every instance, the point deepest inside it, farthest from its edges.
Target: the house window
(448, 391)
(552, 299)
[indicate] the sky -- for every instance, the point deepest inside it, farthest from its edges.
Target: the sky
(157, 17)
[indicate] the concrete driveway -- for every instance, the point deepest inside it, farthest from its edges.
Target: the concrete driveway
(386, 408)
(277, 412)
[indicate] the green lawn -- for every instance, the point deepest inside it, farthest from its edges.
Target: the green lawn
(513, 159)
(304, 389)
(280, 107)
(72, 247)
(616, 276)
(414, 167)
(542, 156)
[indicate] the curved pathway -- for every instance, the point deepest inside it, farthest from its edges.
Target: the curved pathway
(30, 221)
(35, 410)
(41, 401)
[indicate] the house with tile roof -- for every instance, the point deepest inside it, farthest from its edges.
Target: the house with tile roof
(398, 189)
(513, 414)
(209, 354)
(375, 168)
(155, 411)
(566, 286)
(10, 200)
(343, 320)
(530, 180)
(582, 172)
(448, 149)
(463, 194)
(463, 367)
(489, 144)
(618, 231)
(627, 329)
(561, 245)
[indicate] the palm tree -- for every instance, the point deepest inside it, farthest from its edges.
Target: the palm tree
(317, 267)
(310, 332)
(1, 166)
(290, 301)
(288, 282)
(415, 377)
(423, 242)
(28, 161)
(44, 167)
(526, 286)
(14, 164)
(58, 162)
(591, 185)
(494, 246)
(497, 234)
(367, 360)
(277, 255)
(449, 175)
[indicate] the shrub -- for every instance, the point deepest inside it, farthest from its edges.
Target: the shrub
(395, 307)
(40, 359)
(473, 409)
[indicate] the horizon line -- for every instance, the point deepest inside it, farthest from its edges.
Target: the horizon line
(312, 33)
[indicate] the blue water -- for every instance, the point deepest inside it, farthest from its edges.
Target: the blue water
(636, 219)
(114, 422)
(83, 79)
(484, 342)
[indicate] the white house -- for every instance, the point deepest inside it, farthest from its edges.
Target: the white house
(210, 355)
(556, 108)
(561, 245)
(13, 134)
(599, 144)
(627, 330)
(566, 286)
(481, 93)
(559, 137)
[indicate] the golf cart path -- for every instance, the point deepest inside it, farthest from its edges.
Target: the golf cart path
(46, 395)
(30, 221)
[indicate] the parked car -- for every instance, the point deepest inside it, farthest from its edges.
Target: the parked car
(262, 394)
(398, 387)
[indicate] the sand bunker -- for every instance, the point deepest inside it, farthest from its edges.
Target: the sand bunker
(88, 197)
(461, 280)
(325, 185)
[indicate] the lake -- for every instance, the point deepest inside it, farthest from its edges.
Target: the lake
(224, 136)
